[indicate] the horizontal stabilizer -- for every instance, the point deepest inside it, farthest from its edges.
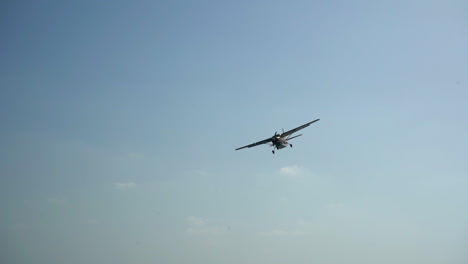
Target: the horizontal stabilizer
(294, 137)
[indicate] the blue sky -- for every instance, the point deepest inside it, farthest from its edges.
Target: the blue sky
(119, 122)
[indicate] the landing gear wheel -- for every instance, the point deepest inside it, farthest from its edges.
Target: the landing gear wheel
(290, 145)
(273, 151)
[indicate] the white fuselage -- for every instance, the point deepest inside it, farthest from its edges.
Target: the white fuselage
(280, 142)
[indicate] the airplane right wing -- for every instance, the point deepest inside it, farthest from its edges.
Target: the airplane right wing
(268, 140)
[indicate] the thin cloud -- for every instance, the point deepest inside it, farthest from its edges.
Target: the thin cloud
(291, 170)
(124, 185)
(275, 233)
(57, 200)
(20, 227)
(201, 172)
(200, 226)
(335, 206)
(194, 221)
(92, 221)
(282, 233)
(132, 155)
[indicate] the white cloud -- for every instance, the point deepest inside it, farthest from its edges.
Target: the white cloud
(291, 170)
(124, 185)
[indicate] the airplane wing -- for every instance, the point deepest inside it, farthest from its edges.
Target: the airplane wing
(287, 133)
(268, 140)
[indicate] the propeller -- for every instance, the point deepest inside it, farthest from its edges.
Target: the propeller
(275, 136)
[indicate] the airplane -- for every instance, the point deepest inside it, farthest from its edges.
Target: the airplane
(279, 141)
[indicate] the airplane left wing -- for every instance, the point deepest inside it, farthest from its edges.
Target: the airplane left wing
(268, 140)
(287, 133)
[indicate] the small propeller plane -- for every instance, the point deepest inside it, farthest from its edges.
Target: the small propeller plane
(279, 141)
